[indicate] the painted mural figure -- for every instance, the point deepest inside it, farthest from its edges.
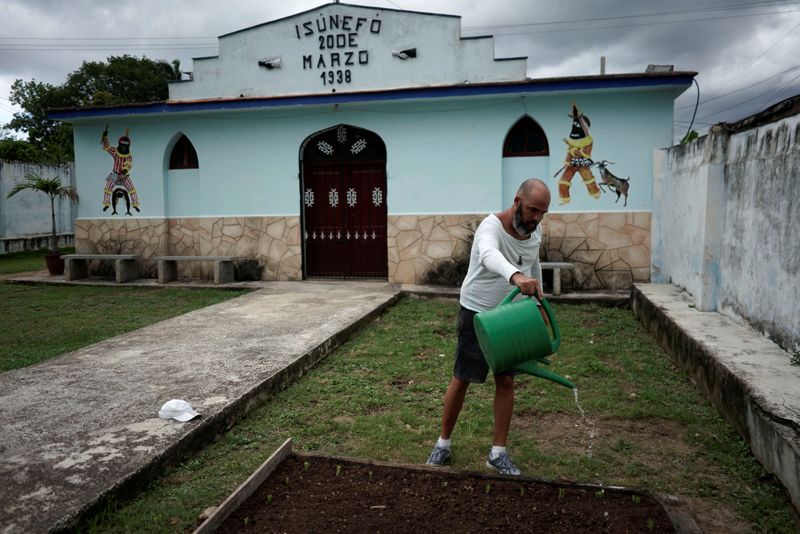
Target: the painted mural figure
(579, 157)
(613, 182)
(119, 182)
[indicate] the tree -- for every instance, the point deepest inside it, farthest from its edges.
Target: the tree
(119, 80)
(17, 150)
(35, 98)
(53, 188)
(122, 80)
(690, 136)
(176, 69)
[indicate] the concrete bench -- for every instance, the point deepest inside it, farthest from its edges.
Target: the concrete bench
(168, 267)
(76, 266)
(556, 266)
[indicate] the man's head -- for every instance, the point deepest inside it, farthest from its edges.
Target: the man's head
(530, 205)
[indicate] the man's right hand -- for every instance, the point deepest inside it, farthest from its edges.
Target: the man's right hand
(527, 285)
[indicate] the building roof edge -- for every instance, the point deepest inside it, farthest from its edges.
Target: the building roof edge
(571, 83)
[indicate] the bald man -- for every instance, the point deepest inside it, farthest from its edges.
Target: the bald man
(505, 253)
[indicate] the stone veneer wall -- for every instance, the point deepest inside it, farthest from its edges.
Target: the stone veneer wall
(609, 250)
(418, 242)
(145, 237)
(273, 241)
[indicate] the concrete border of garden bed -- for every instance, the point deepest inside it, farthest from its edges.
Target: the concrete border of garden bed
(678, 512)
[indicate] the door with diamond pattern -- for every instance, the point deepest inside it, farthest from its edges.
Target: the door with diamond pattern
(344, 209)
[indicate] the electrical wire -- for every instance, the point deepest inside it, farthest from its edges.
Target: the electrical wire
(750, 5)
(750, 86)
(134, 38)
(696, 105)
(107, 48)
(764, 98)
(52, 41)
(697, 123)
(760, 56)
(395, 5)
(632, 24)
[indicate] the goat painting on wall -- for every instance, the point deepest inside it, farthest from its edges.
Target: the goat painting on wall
(614, 183)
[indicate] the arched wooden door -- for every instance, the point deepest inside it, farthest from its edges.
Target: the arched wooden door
(343, 192)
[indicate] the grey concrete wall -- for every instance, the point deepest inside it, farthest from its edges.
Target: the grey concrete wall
(679, 175)
(760, 261)
(725, 222)
(28, 213)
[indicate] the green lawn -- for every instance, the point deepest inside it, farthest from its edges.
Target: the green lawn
(40, 322)
(379, 397)
(31, 260)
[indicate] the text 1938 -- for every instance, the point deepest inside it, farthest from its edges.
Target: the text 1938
(335, 76)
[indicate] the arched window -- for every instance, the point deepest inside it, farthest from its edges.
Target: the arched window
(526, 138)
(183, 155)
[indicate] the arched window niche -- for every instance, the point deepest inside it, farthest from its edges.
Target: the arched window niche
(182, 196)
(525, 139)
(183, 155)
(526, 154)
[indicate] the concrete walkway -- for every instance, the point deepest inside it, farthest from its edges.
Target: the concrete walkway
(85, 424)
(27, 274)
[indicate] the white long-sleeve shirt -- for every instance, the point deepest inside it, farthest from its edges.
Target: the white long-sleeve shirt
(495, 256)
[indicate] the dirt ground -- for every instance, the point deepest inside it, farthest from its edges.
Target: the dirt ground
(655, 443)
(317, 494)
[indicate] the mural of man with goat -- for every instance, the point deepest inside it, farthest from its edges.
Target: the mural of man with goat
(579, 157)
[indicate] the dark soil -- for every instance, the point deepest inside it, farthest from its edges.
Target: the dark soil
(320, 494)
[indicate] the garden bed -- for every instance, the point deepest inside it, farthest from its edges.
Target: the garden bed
(311, 493)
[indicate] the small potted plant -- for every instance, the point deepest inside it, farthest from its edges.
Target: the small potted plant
(53, 188)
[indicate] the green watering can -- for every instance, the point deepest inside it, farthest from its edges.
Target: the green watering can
(514, 337)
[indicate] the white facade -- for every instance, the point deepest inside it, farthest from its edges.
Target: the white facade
(340, 47)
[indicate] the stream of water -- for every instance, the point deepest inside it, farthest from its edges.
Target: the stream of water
(587, 424)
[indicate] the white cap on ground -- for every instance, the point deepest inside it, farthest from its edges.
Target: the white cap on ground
(177, 409)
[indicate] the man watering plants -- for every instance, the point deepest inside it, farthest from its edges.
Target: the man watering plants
(505, 253)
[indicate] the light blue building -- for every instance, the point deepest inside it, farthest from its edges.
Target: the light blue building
(355, 141)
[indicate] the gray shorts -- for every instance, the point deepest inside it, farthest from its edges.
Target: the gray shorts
(470, 365)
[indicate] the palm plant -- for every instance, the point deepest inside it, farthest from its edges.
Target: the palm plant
(53, 188)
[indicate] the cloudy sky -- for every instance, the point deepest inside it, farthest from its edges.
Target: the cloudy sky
(745, 52)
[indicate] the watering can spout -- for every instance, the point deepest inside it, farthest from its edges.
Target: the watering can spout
(532, 368)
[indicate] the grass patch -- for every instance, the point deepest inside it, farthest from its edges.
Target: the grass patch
(40, 322)
(379, 397)
(30, 260)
